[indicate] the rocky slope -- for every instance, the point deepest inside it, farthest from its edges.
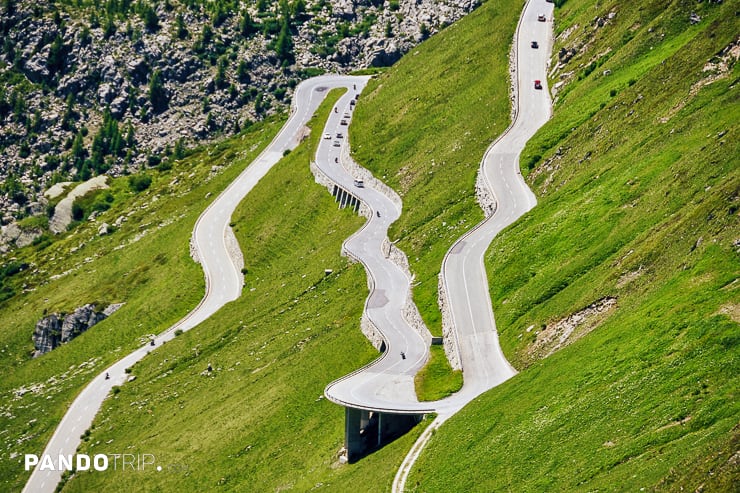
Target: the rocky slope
(59, 328)
(109, 88)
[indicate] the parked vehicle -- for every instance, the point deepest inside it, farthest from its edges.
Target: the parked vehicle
(359, 183)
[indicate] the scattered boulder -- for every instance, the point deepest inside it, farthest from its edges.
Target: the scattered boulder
(58, 328)
(14, 235)
(35, 68)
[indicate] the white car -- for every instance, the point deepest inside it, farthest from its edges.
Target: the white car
(336, 143)
(541, 18)
(327, 136)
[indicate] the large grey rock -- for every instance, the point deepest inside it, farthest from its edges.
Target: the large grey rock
(106, 93)
(138, 69)
(14, 235)
(74, 82)
(118, 106)
(56, 329)
(35, 68)
(386, 52)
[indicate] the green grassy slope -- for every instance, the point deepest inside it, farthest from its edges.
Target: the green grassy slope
(423, 127)
(258, 422)
(637, 177)
(144, 263)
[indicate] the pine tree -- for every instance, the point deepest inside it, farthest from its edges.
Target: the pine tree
(157, 92)
(220, 79)
(149, 16)
(242, 72)
(68, 116)
(179, 151)
(284, 43)
(298, 9)
(247, 27)
(130, 142)
(57, 53)
(180, 31)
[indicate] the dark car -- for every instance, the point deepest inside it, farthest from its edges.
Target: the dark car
(538, 84)
(535, 44)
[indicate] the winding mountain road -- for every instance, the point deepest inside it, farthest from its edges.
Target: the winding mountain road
(223, 277)
(387, 383)
(463, 271)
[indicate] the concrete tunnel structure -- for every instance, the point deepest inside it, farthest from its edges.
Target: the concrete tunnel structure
(345, 198)
(366, 431)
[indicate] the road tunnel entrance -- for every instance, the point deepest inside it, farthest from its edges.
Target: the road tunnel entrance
(367, 431)
(345, 198)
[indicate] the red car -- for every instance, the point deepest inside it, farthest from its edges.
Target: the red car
(538, 84)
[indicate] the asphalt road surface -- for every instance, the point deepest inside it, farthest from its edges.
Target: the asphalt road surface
(223, 280)
(484, 364)
(387, 383)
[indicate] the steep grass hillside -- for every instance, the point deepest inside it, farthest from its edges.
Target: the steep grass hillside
(258, 420)
(618, 294)
(423, 127)
(144, 263)
(345, 355)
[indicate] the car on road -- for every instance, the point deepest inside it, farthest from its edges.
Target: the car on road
(343, 122)
(541, 18)
(538, 84)
(535, 44)
(327, 136)
(340, 136)
(352, 103)
(359, 183)
(336, 143)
